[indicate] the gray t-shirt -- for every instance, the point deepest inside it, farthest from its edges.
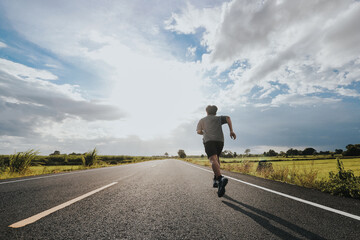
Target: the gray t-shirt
(211, 127)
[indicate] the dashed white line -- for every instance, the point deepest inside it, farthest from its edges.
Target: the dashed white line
(38, 216)
(289, 196)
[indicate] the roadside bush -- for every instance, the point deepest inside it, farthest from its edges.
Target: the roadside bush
(113, 162)
(90, 158)
(343, 183)
(3, 165)
(181, 153)
(75, 160)
(21, 161)
(54, 160)
(121, 159)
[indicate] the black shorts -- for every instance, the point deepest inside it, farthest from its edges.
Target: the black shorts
(213, 148)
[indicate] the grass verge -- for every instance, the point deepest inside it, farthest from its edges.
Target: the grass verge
(317, 174)
(5, 173)
(39, 170)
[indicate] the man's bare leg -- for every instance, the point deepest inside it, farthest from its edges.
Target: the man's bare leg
(215, 165)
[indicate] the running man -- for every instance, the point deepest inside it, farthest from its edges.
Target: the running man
(213, 138)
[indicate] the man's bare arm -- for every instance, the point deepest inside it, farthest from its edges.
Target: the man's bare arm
(200, 132)
(232, 134)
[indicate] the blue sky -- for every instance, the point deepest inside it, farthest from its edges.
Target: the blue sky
(135, 77)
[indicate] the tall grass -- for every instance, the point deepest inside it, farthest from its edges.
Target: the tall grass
(90, 158)
(3, 166)
(304, 177)
(20, 162)
(307, 178)
(243, 167)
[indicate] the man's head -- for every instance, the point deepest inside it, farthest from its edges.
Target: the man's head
(211, 109)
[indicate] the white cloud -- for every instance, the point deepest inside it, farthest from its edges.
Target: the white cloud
(191, 51)
(2, 45)
(348, 92)
(23, 72)
(259, 53)
(29, 103)
(297, 99)
(51, 65)
(158, 94)
(76, 135)
(192, 18)
(308, 47)
(141, 77)
(267, 92)
(341, 35)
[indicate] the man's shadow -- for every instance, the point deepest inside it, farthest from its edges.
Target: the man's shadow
(263, 219)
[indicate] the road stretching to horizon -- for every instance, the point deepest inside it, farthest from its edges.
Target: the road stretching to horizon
(169, 199)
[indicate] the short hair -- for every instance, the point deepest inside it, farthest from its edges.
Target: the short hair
(211, 109)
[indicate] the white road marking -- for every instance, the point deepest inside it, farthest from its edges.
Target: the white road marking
(288, 196)
(38, 216)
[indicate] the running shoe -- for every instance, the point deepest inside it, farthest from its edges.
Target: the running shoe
(216, 183)
(221, 189)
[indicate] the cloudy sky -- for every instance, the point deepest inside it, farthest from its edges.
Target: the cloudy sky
(134, 77)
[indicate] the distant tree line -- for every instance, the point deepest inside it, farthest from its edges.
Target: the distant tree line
(228, 154)
(351, 150)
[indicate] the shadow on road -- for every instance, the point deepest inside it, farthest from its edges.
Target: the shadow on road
(264, 220)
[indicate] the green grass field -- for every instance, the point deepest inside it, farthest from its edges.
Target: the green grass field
(322, 165)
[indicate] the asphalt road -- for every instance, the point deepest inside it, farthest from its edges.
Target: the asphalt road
(170, 199)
